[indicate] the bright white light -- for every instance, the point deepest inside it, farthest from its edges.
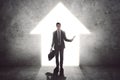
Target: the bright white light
(70, 24)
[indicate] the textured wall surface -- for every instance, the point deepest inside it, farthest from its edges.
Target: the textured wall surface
(19, 17)
(102, 46)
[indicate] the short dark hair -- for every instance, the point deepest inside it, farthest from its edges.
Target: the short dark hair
(58, 23)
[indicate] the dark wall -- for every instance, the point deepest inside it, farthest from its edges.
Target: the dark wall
(18, 17)
(17, 46)
(102, 46)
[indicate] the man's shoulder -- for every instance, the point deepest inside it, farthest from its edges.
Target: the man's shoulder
(54, 31)
(62, 31)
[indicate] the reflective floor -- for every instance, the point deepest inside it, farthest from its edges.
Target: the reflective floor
(70, 73)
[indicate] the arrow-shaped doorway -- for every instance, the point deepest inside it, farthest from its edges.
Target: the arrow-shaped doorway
(70, 24)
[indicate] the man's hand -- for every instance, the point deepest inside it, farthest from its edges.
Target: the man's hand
(51, 48)
(73, 38)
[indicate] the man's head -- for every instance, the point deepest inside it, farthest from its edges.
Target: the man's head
(58, 25)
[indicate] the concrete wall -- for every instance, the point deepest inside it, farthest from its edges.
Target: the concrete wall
(19, 17)
(102, 46)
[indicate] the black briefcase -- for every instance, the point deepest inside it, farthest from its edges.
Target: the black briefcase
(51, 55)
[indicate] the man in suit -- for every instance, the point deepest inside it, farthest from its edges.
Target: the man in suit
(58, 43)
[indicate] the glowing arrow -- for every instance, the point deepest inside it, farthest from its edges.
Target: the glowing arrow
(69, 23)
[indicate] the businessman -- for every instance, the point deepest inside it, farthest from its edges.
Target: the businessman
(58, 43)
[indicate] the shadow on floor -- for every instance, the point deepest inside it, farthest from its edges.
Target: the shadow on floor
(55, 76)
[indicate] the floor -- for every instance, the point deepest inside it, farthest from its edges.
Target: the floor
(70, 73)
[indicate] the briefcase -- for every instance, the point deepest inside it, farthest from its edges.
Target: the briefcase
(51, 55)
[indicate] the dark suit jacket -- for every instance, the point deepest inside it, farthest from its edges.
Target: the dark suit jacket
(63, 38)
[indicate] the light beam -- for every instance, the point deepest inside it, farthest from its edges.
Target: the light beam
(70, 24)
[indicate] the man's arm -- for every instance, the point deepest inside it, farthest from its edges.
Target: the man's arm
(53, 42)
(65, 38)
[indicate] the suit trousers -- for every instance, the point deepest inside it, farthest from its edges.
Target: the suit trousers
(59, 51)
